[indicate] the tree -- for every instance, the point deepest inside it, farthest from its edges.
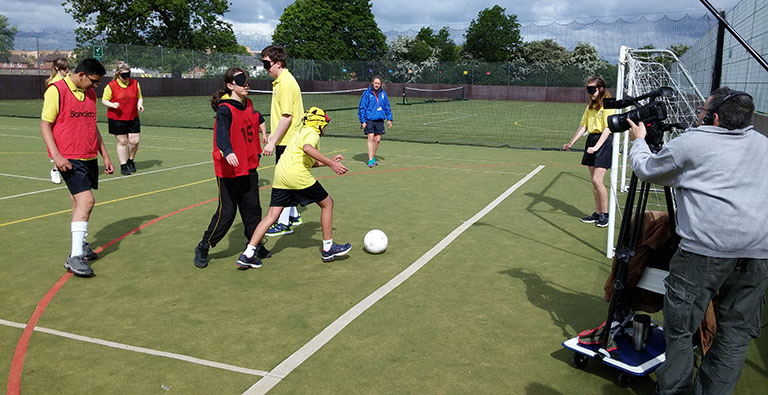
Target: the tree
(183, 24)
(326, 30)
(545, 51)
(410, 58)
(585, 57)
(679, 49)
(447, 50)
(493, 37)
(8, 35)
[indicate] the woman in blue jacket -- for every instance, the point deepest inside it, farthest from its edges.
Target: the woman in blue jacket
(374, 109)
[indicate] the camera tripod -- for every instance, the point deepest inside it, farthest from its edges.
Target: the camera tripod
(630, 231)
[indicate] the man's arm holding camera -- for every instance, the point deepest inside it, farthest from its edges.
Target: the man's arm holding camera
(659, 168)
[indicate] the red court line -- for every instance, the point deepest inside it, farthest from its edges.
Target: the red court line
(17, 364)
(14, 377)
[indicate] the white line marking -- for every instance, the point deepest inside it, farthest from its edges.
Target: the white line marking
(25, 177)
(142, 350)
(297, 358)
(108, 179)
(450, 119)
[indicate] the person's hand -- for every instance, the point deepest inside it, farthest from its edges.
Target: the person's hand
(269, 149)
(108, 167)
(592, 150)
(636, 131)
(567, 146)
(115, 105)
(140, 107)
(232, 160)
(338, 167)
(338, 158)
(62, 163)
(264, 139)
(389, 124)
(363, 124)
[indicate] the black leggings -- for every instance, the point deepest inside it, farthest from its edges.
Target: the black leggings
(239, 192)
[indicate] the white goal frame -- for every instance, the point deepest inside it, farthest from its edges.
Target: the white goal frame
(639, 72)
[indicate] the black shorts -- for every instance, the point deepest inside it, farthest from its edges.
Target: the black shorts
(124, 127)
(603, 156)
(83, 176)
(375, 127)
(291, 197)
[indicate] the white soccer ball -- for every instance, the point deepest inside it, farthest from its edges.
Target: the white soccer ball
(375, 241)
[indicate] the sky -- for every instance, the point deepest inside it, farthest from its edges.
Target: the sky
(259, 17)
(262, 16)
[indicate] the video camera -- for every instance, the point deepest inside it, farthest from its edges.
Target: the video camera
(651, 114)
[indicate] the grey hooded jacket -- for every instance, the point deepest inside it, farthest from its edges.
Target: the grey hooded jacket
(720, 179)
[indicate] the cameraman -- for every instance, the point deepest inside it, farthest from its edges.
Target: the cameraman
(718, 171)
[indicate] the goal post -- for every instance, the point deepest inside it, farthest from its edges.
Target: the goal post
(641, 71)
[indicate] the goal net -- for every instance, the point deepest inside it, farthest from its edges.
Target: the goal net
(420, 95)
(642, 71)
(348, 99)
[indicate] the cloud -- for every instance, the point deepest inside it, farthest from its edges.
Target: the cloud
(37, 15)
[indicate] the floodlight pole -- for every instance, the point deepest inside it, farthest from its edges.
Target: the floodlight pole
(738, 38)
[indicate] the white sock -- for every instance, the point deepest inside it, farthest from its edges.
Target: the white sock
(249, 251)
(327, 244)
(294, 211)
(79, 230)
(284, 216)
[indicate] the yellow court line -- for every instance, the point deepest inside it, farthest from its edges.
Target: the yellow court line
(107, 202)
(130, 197)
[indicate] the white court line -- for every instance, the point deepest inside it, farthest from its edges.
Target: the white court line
(142, 350)
(450, 119)
(24, 177)
(143, 173)
(297, 358)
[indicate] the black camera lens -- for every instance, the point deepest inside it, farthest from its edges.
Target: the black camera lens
(649, 113)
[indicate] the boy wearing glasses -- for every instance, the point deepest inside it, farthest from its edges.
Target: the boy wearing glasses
(68, 127)
(285, 120)
(294, 184)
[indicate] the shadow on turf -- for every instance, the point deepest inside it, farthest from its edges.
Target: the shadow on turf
(641, 384)
(363, 158)
(569, 308)
(147, 164)
(304, 236)
(117, 229)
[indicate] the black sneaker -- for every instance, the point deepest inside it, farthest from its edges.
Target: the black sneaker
(334, 251)
(262, 252)
(201, 255)
(131, 165)
(124, 170)
(78, 266)
(602, 221)
(247, 263)
(88, 253)
(591, 219)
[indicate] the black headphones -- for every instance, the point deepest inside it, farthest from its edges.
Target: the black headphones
(709, 117)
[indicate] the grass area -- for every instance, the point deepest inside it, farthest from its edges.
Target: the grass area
(492, 123)
(486, 314)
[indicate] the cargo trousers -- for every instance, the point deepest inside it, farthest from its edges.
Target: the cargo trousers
(740, 285)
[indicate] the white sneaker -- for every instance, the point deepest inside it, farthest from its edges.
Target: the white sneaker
(55, 176)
